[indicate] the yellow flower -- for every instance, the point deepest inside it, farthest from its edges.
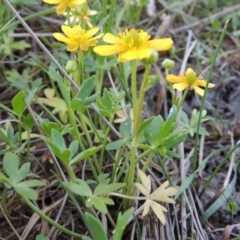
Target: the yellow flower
(63, 4)
(81, 14)
(132, 44)
(161, 194)
(78, 38)
(189, 80)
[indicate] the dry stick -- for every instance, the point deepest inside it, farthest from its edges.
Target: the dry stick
(232, 162)
(188, 50)
(9, 222)
(200, 158)
(207, 19)
(58, 215)
(193, 211)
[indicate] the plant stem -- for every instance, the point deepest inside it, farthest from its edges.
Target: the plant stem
(183, 98)
(142, 93)
(134, 140)
(89, 140)
(134, 96)
(49, 220)
(80, 65)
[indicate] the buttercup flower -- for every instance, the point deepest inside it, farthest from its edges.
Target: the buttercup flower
(161, 194)
(189, 80)
(81, 14)
(63, 4)
(132, 44)
(77, 38)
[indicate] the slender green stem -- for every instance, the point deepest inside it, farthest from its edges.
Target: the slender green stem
(134, 96)
(205, 94)
(142, 94)
(134, 140)
(4, 205)
(149, 159)
(76, 134)
(122, 168)
(49, 220)
(89, 140)
(111, 15)
(116, 165)
(80, 64)
(106, 135)
(183, 98)
(121, 14)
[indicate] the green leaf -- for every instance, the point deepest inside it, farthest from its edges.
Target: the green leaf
(126, 128)
(81, 189)
(48, 126)
(73, 147)
(143, 126)
(22, 173)
(11, 165)
(24, 190)
(85, 154)
(77, 105)
(65, 90)
(105, 104)
(3, 178)
(40, 237)
(28, 121)
(18, 103)
(34, 183)
(58, 140)
(115, 145)
(4, 137)
(122, 222)
(86, 88)
(96, 227)
(152, 131)
(105, 188)
(99, 203)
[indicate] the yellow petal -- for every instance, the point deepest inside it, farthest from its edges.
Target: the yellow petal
(180, 86)
(146, 208)
(146, 181)
(203, 83)
(80, 2)
(128, 55)
(110, 38)
(142, 189)
(52, 1)
(91, 32)
(175, 79)
(163, 44)
(67, 30)
(211, 85)
(158, 210)
(189, 70)
(61, 38)
(106, 50)
(61, 8)
(198, 90)
(72, 47)
(144, 53)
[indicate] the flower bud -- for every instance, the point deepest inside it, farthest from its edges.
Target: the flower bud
(168, 64)
(71, 66)
(152, 59)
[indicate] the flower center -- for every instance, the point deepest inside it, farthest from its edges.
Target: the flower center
(78, 35)
(191, 78)
(134, 39)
